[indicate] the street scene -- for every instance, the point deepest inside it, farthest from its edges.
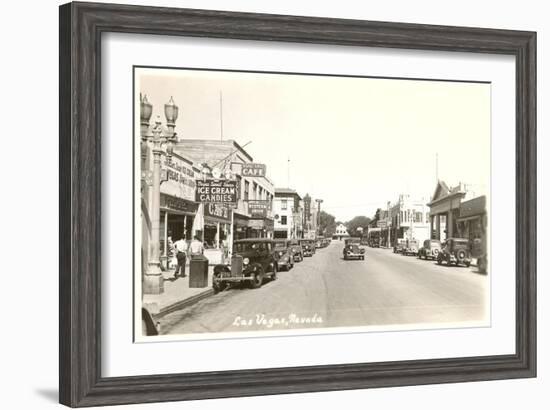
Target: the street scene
(253, 217)
(328, 291)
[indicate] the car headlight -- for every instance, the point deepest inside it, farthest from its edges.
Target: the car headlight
(246, 261)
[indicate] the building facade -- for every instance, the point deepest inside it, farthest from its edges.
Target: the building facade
(341, 232)
(253, 215)
(409, 219)
(287, 213)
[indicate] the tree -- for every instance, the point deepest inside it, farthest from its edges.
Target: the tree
(357, 222)
(327, 224)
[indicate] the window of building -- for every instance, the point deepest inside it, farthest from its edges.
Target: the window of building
(418, 217)
(283, 220)
(254, 190)
(246, 190)
(284, 205)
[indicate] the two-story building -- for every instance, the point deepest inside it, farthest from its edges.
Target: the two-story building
(287, 213)
(409, 219)
(253, 215)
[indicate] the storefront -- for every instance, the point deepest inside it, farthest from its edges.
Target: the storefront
(217, 227)
(472, 220)
(177, 206)
(260, 228)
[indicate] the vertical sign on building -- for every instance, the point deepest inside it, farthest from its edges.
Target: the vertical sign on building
(307, 208)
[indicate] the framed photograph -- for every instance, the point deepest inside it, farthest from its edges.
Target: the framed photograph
(259, 204)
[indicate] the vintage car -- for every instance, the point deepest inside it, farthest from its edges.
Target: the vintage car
(400, 245)
(411, 247)
(284, 254)
(455, 250)
(252, 262)
(353, 251)
(430, 249)
(308, 247)
(297, 250)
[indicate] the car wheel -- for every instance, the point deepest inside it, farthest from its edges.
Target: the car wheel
(219, 286)
(258, 279)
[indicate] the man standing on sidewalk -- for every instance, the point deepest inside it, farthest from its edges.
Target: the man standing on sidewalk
(181, 255)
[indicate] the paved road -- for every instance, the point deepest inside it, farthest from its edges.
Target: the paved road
(326, 291)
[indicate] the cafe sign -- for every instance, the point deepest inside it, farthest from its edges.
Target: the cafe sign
(218, 211)
(216, 191)
(253, 170)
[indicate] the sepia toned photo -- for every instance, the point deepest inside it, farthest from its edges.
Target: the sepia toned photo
(273, 204)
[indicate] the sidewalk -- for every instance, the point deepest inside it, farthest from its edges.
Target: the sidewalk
(177, 294)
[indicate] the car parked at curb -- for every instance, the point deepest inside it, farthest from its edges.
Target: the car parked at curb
(297, 251)
(430, 249)
(411, 247)
(284, 254)
(308, 247)
(399, 246)
(455, 250)
(252, 262)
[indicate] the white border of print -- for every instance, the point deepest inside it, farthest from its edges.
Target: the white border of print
(121, 357)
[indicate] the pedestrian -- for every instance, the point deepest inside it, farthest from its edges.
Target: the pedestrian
(181, 255)
(196, 248)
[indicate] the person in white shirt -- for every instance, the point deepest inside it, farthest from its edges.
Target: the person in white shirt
(196, 247)
(181, 255)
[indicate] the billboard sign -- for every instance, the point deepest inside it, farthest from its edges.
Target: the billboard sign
(258, 209)
(253, 170)
(216, 191)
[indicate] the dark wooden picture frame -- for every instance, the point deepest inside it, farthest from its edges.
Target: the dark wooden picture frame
(81, 28)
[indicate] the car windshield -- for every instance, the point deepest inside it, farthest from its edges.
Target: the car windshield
(250, 246)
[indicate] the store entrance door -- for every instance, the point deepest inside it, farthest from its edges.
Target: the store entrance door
(176, 226)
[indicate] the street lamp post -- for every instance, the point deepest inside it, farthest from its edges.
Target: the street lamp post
(158, 141)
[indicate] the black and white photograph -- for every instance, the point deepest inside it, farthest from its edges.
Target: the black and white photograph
(273, 204)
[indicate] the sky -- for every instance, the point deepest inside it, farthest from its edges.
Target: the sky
(355, 143)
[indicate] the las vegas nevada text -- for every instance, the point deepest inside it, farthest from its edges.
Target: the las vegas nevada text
(282, 204)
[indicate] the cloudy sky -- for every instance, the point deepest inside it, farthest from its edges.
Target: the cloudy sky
(356, 143)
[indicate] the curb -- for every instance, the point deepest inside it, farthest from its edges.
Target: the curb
(184, 303)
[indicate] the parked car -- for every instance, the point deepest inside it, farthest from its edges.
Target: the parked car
(400, 245)
(455, 250)
(430, 249)
(411, 247)
(297, 251)
(252, 262)
(308, 247)
(284, 254)
(353, 251)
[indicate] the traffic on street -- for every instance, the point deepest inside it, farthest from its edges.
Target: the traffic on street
(326, 290)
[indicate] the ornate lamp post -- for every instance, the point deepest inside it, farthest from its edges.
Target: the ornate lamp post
(157, 141)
